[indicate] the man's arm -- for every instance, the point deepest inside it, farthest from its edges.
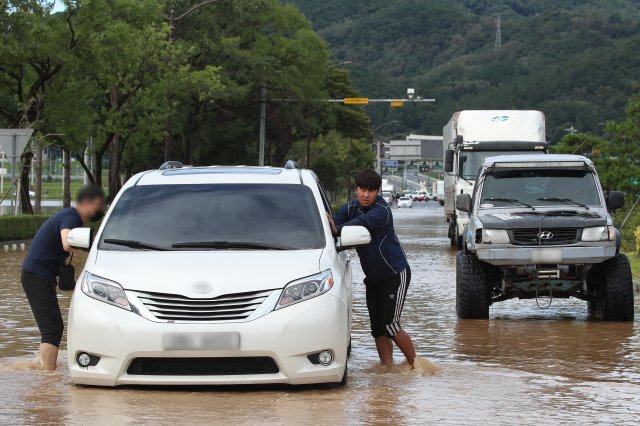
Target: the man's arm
(65, 246)
(377, 217)
(67, 223)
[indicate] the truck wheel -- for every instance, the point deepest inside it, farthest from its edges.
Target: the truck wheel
(614, 295)
(472, 287)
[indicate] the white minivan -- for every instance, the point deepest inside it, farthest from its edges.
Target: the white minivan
(214, 275)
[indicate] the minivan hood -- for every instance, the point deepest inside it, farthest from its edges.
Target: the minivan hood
(204, 274)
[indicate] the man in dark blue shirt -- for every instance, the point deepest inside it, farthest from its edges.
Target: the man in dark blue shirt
(47, 253)
(387, 273)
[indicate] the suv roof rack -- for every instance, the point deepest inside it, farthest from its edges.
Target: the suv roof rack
(291, 165)
(171, 165)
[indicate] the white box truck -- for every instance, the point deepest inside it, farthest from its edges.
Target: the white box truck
(387, 191)
(439, 192)
(470, 137)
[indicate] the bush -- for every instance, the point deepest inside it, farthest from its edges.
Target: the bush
(21, 227)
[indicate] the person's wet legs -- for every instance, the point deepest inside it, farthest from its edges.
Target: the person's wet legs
(49, 356)
(384, 345)
(405, 344)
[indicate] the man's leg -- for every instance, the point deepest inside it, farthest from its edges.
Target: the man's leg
(403, 340)
(396, 291)
(41, 294)
(49, 356)
(384, 345)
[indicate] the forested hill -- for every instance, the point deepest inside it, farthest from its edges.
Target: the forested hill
(578, 61)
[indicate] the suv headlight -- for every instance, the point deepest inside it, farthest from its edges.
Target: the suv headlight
(598, 233)
(105, 291)
(496, 236)
(305, 288)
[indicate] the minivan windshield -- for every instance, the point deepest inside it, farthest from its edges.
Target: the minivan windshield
(214, 217)
(545, 187)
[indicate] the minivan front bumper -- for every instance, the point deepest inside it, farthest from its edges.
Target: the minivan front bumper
(287, 336)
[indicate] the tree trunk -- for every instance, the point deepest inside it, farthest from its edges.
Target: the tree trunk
(25, 202)
(38, 178)
(85, 168)
(66, 177)
(114, 166)
(97, 167)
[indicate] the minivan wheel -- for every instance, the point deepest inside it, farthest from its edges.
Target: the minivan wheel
(473, 296)
(614, 292)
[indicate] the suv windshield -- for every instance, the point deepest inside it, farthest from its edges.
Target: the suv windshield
(214, 216)
(539, 188)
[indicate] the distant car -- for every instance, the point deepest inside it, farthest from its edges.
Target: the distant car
(420, 196)
(430, 197)
(405, 201)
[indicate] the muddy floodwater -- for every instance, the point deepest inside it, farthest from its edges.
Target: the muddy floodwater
(523, 366)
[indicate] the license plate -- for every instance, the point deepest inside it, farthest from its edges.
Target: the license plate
(200, 341)
(546, 255)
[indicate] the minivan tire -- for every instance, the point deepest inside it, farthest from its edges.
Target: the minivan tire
(614, 295)
(472, 287)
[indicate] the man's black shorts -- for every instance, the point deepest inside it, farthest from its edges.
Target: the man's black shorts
(385, 300)
(41, 293)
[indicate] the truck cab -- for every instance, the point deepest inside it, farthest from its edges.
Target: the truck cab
(472, 136)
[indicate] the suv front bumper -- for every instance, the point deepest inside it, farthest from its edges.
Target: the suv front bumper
(505, 254)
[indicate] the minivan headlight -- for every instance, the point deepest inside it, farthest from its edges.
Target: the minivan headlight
(305, 288)
(105, 291)
(495, 236)
(598, 233)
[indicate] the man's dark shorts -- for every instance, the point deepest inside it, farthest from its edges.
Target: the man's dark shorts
(385, 300)
(41, 293)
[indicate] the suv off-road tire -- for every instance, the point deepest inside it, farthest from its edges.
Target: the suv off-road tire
(473, 296)
(614, 292)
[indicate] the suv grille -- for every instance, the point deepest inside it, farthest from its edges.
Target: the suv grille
(173, 307)
(550, 236)
(202, 366)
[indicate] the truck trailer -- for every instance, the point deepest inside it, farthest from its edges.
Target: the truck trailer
(473, 135)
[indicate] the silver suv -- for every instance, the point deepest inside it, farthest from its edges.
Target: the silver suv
(539, 226)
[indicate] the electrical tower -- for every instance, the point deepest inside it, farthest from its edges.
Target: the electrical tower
(498, 43)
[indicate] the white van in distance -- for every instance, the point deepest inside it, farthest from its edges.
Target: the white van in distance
(214, 275)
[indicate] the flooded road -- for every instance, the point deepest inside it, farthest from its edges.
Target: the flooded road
(523, 366)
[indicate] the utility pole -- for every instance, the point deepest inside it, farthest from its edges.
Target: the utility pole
(498, 43)
(263, 123)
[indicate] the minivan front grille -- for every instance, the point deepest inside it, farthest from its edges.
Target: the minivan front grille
(174, 307)
(202, 366)
(544, 237)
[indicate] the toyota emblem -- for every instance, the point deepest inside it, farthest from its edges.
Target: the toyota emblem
(545, 235)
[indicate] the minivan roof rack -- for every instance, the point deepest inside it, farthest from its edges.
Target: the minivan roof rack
(291, 165)
(171, 165)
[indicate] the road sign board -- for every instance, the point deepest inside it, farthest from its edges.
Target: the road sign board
(13, 141)
(356, 101)
(390, 162)
(397, 103)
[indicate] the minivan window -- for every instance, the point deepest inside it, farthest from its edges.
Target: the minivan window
(543, 187)
(214, 216)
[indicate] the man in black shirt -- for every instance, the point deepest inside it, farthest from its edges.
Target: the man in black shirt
(47, 253)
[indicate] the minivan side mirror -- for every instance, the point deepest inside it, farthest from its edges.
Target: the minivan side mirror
(615, 200)
(463, 202)
(80, 238)
(354, 236)
(448, 161)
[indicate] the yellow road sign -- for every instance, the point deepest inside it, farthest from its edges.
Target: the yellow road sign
(397, 103)
(356, 101)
